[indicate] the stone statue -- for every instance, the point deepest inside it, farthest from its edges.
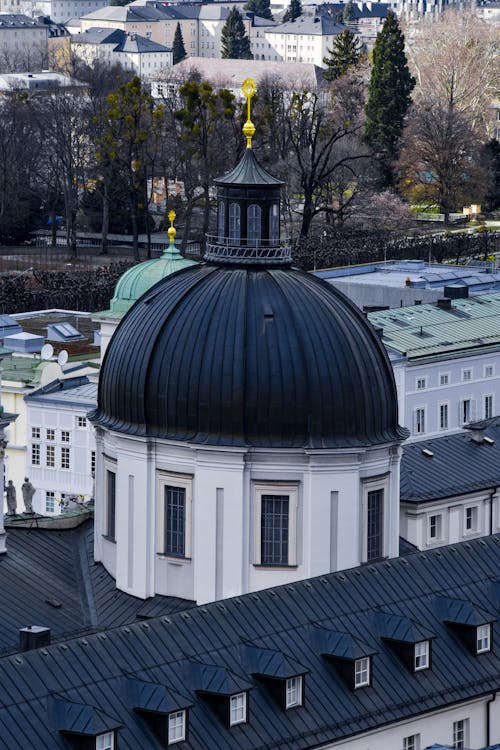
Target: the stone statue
(11, 498)
(28, 492)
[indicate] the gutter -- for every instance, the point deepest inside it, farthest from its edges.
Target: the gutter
(488, 717)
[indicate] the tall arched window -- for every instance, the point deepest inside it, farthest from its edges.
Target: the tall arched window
(254, 224)
(234, 222)
(220, 221)
(274, 223)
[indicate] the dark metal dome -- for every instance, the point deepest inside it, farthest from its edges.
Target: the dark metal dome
(256, 356)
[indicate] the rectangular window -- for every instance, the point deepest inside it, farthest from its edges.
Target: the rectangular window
(35, 454)
(50, 502)
(35, 433)
(374, 525)
(465, 411)
(483, 639)
(274, 524)
(443, 416)
(444, 378)
(237, 709)
(110, 503)
(466, 375)
(176, 727)
(435, 527)
(459, 734)
(471, 514)
(488, 407)
(175, 521)
(420, 384)
(51, 456)
(419, 421)
(105, 741)
(64, 458)
(81, 422)
(362, 672)
(421, 655)
(51, 434)
(293, 692)
(64, 436)
(412, 742)
(488, 371)
(92, 463)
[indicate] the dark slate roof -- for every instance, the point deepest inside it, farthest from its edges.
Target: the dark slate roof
(122, 40)
(99, 35)
(140, 44)
(248, 171)
(49, 578)
(363, 10)
(245, 355)
(459, 465)
(18, 21)
(95, 671)
(321, 25)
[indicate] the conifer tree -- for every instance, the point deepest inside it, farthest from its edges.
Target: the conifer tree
(293, 11)
(389, 95)
(345, 54)
(234, 42)
(178, 49)
(261, 8)
(348, 13)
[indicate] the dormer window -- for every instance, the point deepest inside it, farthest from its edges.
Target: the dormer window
(176, 727)
(422, 653)
(105, 741)
(293, 692)
(237, 709)
(362, 672)
(483, 638)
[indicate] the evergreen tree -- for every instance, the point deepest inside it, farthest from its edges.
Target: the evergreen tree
(293, 11)
(178, 49)
(234, 42)
(344, 54)
(261, 8)
(348, 15)
(389, 94)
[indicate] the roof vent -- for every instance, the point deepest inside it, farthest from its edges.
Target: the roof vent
(444, 304)
(488, 440)
(33, 636)
(427, 452)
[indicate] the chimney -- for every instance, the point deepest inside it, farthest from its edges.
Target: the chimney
(33, 636)
(444, 303)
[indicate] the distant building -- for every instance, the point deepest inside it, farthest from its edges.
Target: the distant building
(450, 487)
(23, 43)
(44, 82)
(307, 39)
(132, 51)
(446, 361)
(60, 460)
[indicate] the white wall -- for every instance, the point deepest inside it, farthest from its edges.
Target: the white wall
(330, 489)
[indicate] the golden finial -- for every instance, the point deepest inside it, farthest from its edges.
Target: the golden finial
(171, 231)
(248, 88)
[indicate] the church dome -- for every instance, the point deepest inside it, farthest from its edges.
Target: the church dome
(244, 355)
(244, 350)
(143, 276)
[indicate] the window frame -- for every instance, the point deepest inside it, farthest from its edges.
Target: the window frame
(444, 378)
(181, 481)
(261, 489)
(109, 515)
(419, 419)
(466, 376)
(172, 716)
(81, 423)
(294, 692)
(463, 418)
(473, 516)
(234, 709)
(35, 454)
(103, 736)
(50, 497)
(421, 383)
(50, 434)
(488, 371)
(438, 535)
(460, 732)
(422, 655)
(65, 436)
(486, 628)
(375, 484)
(411, 742)
(365, 668)
(488, 408)
(444, 409)
(50, 456)
(65, 458)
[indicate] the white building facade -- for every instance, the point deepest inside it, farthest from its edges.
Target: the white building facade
(60, 460)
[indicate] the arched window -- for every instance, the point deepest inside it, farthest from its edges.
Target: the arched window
(234, 222)
(274, 223)
(220, 221)
(254, 223)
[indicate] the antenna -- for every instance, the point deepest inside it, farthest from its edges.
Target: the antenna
(62, 357)
(47, 351)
